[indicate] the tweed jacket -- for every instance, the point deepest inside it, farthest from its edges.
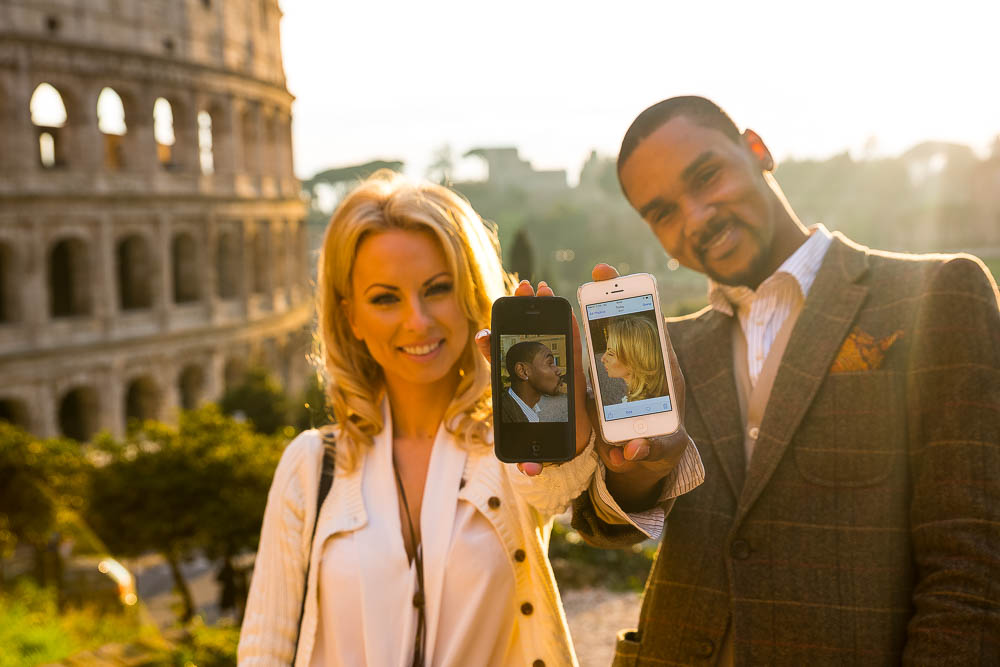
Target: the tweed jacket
(866, 529)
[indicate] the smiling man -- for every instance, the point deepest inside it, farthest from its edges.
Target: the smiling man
(533, 374)
(846, 406)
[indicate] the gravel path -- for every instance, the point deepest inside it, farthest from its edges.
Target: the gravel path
(595, 616)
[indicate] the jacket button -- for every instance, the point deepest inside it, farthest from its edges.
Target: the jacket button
(705, 648)
(526, 609)
(493, 502)
(519, 555)
(739, 549)
(538, 663)
(418, 599)
(461, 483)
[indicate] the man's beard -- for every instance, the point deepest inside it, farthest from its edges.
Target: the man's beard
(751, 275)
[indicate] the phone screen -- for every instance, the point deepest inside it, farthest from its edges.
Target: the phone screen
(533, 378)
(631, 375)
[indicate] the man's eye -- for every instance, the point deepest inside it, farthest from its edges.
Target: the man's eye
(440, 288)
(383, 299)
(706, 175)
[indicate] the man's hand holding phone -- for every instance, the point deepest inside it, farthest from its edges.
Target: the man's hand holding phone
(637, 468)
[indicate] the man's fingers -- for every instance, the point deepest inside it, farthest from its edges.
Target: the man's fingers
(604, 272)
(483, 344)
(544, 289)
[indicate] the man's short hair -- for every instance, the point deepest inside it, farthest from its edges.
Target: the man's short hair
(525, 351)
(702, 111)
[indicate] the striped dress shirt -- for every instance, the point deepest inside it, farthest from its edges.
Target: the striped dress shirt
(763, 311)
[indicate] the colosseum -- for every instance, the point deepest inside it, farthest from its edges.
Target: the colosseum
(152, 234)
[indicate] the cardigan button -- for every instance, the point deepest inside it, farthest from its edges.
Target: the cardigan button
(519, 555)
(538, 663)
(527, 608)
(418, 599)
(705, 648)
(493, 502)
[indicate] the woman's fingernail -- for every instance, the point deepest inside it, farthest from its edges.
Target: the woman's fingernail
(481, 333)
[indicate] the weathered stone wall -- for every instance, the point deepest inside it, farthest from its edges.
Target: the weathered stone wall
(135, 276)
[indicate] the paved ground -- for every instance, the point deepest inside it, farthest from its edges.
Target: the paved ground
(595, 616)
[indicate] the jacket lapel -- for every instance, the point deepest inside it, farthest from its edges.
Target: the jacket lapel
(707, 362)
(825, 320)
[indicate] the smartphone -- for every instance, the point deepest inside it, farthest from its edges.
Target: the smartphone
(627, 347)
(533, 400)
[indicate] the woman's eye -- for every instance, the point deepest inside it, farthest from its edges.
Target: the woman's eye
(383, 299)
(439, 288)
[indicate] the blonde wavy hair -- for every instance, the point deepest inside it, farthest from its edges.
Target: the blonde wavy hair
(637, 343)
(354, 382)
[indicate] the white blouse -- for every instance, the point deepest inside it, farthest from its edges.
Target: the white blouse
(366, 584)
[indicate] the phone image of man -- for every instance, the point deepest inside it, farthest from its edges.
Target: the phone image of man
(533, 374)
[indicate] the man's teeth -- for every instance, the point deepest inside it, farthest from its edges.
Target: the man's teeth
(421, 349)
(720, 237)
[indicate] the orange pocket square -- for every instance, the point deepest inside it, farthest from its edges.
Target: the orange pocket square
(862, 352)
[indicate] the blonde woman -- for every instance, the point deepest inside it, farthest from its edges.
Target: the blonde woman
(425, 553)
(633, 354)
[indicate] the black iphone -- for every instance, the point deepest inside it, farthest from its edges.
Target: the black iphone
(533, 406)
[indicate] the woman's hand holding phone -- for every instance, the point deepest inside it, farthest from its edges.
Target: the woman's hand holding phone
(582, 420)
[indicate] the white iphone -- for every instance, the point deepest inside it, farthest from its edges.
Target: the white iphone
(627, 346)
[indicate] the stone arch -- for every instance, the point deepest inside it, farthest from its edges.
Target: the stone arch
(191, 386)
(142, 399)
(250, 137)
(135, 273)
(221, 134)
(69, 278)
(185, 268)
(281, 256)
(261, 257)
(233, 372)
(163, 131)
(15, 411)
(111, 123)
(79, 409)
(206, 143)
(49, 116)
(269, 146)
(227, 264)
(10, 298)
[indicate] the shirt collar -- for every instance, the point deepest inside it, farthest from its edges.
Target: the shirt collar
(802, 265)
(524, 406)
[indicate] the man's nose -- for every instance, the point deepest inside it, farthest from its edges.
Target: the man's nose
(697, 215)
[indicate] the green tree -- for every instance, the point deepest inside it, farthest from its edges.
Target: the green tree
(260, 399)
(199, 486)
(37, 478)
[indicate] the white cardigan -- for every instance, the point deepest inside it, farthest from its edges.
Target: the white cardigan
(519, 508)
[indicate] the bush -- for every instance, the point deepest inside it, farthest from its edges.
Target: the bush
(32, 631)
(579, 565)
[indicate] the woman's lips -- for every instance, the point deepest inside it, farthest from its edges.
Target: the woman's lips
(422, 350)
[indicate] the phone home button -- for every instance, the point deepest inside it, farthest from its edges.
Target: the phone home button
(641, 426)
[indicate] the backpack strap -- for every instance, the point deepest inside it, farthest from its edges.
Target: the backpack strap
(325, 482)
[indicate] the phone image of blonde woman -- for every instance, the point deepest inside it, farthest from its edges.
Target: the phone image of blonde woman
(627, 347)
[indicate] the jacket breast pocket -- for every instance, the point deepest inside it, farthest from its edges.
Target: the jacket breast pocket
(854, 430)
